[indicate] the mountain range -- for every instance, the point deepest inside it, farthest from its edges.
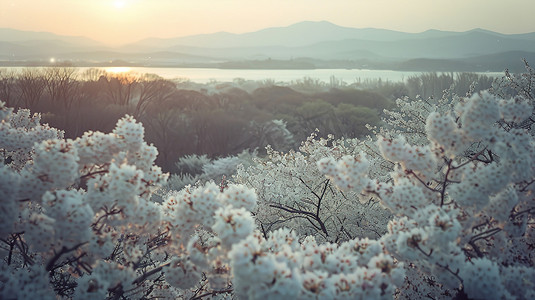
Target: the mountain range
(302, 45)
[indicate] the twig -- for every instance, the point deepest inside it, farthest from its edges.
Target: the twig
(230, 290)
(144, 276)
(64, 250)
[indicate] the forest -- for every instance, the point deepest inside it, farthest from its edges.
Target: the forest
(131, 186)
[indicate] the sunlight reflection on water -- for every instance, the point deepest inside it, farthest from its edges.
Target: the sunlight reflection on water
(205, 75)
(116, 70)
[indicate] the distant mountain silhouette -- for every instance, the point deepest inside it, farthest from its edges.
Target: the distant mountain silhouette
(322, 42)
(13, 35)
(300, 34)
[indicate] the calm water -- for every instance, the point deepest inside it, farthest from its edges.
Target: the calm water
(225, 75)
(202, 75)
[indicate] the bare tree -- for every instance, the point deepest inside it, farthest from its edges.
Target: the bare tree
(31, 85)
(167, 129)
(7, 86)
(120, 87)
(62, 85)
(92, 74)
(152, 90)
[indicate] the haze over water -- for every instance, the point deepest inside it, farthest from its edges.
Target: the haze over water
(206, 75)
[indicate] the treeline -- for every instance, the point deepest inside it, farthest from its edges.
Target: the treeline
(426, 85)
(182, 121)
(216, 119)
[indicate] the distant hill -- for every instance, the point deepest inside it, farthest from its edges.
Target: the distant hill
(13, 35)
(494, 62)
(306, 44)
(511, 60)
(300, 34)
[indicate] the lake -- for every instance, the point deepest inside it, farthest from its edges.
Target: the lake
(202, 75)
(205, 75)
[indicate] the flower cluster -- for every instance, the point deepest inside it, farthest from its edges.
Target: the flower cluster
(19, 132)
(282, 268)
(292, 192)
(461, 218)
(68, 203)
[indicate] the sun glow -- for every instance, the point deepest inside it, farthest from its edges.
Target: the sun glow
(119, 3)
(118, 70)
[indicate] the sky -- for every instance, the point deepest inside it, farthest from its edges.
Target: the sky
(117, 22)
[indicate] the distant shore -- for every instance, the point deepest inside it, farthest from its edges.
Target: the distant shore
(412, 65)
(212, 74)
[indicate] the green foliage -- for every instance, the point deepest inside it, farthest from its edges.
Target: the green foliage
(356, 97)
(271, 98)
(315, 110)
(353, 119)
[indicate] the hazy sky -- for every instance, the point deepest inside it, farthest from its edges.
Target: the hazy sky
(122, 21)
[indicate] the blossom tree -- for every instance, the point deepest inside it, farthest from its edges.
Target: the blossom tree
(293, 193)
(78, 221)
(466, 221)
